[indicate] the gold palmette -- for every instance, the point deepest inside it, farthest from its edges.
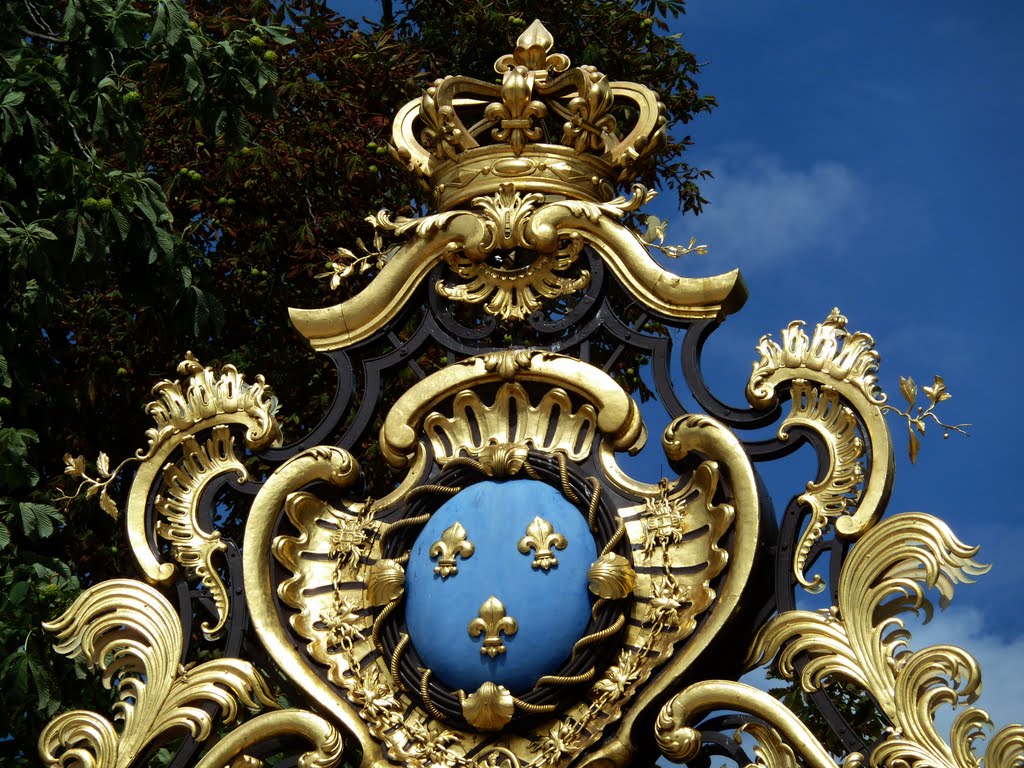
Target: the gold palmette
(524, 175)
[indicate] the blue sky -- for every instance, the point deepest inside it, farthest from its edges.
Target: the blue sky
(867, 156)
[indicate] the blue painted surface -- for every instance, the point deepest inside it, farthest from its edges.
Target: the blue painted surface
(552, 607)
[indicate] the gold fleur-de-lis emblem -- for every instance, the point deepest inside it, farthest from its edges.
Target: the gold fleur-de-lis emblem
(453, 543)
(542, 538)
(491, 623)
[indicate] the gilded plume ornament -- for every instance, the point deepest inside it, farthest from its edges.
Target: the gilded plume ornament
(510, 596)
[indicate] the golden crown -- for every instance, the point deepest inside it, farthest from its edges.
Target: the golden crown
(465, 137)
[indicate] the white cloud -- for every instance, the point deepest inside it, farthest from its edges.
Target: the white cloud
(763, 212)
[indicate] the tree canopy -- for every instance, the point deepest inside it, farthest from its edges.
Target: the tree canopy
(173, 176)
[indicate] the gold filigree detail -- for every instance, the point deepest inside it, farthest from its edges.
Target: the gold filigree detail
(452, 544)
(611, 577)
(490, 708)
(492, 623)
(832, 351)
(503, 459)
(205, 396)
(542, 538)
(533, 51)
(770, 751)
(664, 519)
(862, 640)
(507, 363)
(130, 633)
(833, 383)
(551, 233)
(516, 111)
(178, 508)
(498, 757)
(432, 138)
(820, 408)
(517, 287)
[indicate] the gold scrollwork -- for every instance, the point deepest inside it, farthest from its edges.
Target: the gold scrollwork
(492, 623)
(472, 235)
(833, 388)
(863, 640)
(132, 634)
(177, 508)
(324, 737)
(452, 544)
(182, 410)
(542, 538)
(680, 742)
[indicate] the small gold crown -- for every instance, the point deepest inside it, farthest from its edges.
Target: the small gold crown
(553, 129)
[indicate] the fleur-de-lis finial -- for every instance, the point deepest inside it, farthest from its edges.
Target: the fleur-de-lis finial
(491, 623)
(542, 538)
(453, 543)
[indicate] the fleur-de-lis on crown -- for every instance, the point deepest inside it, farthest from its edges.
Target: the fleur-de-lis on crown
(491, 623)
(453, 543)
(542, 538)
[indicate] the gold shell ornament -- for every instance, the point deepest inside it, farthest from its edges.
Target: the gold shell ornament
(611, 577)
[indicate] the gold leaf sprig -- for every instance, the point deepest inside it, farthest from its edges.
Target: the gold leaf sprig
(346, 263)
(76, 467)
(916, 420)
(654, 237)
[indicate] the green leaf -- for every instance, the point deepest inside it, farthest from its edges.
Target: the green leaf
(74, 18)
(79, 248)
(123, 225)
(39, 521)
(164, 241)
(177, 20)
(17, 593)
(159, 31)
(5, 536)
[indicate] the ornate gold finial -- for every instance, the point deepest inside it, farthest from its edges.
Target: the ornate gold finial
(442, 138)
(542, 537)
(532, 51)
(491, 624)
(453, 543)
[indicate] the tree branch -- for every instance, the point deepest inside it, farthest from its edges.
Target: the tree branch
(42, 35)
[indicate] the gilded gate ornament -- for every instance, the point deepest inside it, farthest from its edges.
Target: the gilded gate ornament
(512, 597)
